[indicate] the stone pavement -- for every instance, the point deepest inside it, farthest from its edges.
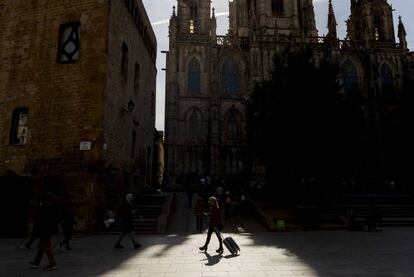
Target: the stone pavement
(390, 253)
(306, 254)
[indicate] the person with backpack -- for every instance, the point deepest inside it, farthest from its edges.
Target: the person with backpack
(215, 225)
(126, 214)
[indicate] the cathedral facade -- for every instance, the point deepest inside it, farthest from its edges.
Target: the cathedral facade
(209, 77)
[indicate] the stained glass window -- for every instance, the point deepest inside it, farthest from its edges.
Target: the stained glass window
(350, 76)
(194, 78)
(231, 77)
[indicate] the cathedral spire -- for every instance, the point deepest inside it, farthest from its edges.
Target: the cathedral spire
(332, 32)
(402, 34)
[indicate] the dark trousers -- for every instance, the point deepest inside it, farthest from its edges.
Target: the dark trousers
(199, 220)
(212, 229)
(130, 234)
(45, 246)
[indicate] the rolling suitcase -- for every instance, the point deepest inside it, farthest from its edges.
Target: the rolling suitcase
(230, 244)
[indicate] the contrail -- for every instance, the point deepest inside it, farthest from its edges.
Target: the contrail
(162, 22)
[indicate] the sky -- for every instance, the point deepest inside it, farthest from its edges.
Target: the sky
(160, 11)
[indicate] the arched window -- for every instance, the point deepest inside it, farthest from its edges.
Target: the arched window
(194, 126)
(377, 26)
(19, 126)
(193, 18)
(231, 77)
(133, 144)
(350, 76)
(387, 78)
(233, 125)
(194, 78)
(137, 78)
(387, 81)
(124, 61)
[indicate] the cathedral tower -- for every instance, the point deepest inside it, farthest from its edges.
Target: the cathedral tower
(194, 17)
(282, 16)
(371, 20)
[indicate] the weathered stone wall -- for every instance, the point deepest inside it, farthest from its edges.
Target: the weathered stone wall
(65, 101)
(74, 102)
(119, 124)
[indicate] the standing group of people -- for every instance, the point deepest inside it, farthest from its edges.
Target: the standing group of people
(46, 224)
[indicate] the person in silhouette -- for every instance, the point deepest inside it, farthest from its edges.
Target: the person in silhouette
(126, 214)
(199, 212)
(67, 225)
(215, 224)
(48, 225)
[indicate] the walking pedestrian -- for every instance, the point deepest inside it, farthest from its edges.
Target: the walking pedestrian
(126, 214)
(199, 212)
(67, 225)
(215, 225)
(48, 226)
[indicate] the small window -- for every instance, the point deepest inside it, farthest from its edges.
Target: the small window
(277, 7)
(137, 78)
(124, 61)
(193, 12)
(19, 128)
(133, 144)
(192, 26)
(69, 42)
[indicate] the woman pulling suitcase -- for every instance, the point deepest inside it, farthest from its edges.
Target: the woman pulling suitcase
(215, 224)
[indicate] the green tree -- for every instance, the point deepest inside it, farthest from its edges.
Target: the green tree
(294, 120)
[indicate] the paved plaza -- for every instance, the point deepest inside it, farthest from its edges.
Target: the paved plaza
(339, 253)
(324, 253)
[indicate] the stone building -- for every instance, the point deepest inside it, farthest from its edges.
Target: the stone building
(77, 98)
(209, 76)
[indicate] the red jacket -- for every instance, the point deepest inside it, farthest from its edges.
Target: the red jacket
(215, 217)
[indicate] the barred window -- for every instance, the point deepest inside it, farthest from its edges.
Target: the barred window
(69, 42)
(19, 126)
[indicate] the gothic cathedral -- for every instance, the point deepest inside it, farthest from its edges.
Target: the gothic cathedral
(210, 76)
